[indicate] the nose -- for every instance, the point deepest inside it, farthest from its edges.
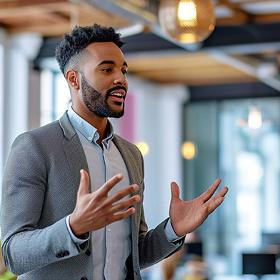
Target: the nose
(120, 80)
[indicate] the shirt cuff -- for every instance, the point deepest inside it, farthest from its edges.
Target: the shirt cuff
(73, 236)
(170, 233)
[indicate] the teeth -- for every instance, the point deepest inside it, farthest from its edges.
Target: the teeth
(117, 94)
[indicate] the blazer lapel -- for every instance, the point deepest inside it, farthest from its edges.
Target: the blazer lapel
(129, 159)
(73, 149)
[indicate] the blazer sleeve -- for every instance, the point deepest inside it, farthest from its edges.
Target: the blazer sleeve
(153, 244)
(26, 246)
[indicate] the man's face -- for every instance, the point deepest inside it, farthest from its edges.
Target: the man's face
(103, 80)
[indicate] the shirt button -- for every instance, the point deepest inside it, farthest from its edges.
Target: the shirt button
(89, 138)
(65, 253)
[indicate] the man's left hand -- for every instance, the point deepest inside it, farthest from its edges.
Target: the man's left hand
(186, 216)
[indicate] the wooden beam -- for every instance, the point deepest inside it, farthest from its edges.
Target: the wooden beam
(189, 69)
(17, 19)
(4, 4)
(178, 61)
(89, 14)
(39, 18)
(237, 2)
(34, 9)
(267, 18)
(43, 29)
(240, 16)
(235, 20)
(196, 72)
(218, 75)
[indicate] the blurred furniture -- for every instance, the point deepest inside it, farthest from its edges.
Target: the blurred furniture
(259, 263)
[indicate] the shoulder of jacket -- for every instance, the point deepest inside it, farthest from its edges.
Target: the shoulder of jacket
(43, 132)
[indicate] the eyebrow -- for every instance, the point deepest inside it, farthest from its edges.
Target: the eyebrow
(111, 62)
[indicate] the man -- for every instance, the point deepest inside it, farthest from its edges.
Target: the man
(72, 190)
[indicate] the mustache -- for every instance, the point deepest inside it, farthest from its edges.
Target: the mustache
(116, 88)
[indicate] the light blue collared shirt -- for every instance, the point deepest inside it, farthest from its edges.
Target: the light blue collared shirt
(111, 245)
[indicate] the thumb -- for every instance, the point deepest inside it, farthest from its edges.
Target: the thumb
(175, 191)
(84, 183)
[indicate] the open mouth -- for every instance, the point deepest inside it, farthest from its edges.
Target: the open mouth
(118, 96)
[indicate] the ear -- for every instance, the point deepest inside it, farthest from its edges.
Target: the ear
(72, 78)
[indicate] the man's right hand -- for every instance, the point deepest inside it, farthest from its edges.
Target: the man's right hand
(97, 209)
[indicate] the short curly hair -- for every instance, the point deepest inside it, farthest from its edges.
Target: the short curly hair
(73, 44)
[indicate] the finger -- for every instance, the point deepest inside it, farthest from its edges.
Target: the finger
(217, 200)
(125, 204)
(123, 214)
(121, 194)
(110, 184)
(223, 192)
(213, 204)
(84, 183)
(211, 190)
(175, 190)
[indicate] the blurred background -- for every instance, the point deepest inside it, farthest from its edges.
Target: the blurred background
(199, 109)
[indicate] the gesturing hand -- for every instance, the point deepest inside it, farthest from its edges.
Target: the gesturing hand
(186, 216)
(96, 210)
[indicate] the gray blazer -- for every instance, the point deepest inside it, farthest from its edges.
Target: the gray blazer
(40, 184)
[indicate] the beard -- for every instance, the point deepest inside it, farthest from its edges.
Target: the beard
(97, 102)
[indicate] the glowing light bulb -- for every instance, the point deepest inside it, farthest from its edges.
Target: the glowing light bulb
(255, 118)
(143, 147)
(188, 150)
(187, 13)
(187, 21)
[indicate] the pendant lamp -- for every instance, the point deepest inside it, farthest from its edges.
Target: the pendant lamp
(187, 21)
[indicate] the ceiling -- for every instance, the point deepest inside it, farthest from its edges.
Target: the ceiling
(244, 46)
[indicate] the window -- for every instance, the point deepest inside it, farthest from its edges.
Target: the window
(238, 141)
(55, 96)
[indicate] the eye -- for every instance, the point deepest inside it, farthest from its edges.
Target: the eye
(124, 71)
(107, 70)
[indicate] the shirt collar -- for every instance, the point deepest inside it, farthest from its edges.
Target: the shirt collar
(87, 130)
